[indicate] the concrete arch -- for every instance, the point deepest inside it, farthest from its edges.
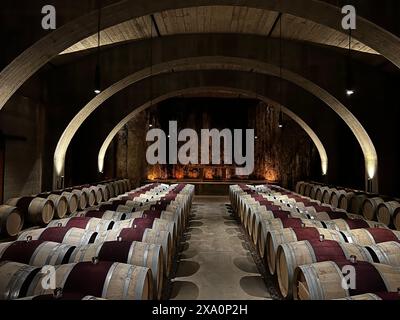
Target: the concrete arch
(35, 57)
(318, 143)
(217, 63)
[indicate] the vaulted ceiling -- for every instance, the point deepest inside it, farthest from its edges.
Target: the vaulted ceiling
(221, 19)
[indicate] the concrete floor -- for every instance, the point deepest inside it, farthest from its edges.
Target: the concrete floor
(215, 263)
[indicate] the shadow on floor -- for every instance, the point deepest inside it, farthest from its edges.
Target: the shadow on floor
(187, 268)
(254, 286)
(245, 264)
(184, 290)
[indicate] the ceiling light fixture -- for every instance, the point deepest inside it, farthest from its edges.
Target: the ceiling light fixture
(280, 120)
(97, 76)
(350, 90)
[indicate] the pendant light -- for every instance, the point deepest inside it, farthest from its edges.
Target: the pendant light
(350, 90)
(280, 120)
(97, 76)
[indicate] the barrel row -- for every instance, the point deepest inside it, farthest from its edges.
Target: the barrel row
(144, 239)
(372, 207)
(103, 279)
(42, 208)
(261, 213)
(287, 249)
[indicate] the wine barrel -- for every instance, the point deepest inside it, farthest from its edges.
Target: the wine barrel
(115, 187)
(36, 252)
(108, 280)
(327, 195)
(308, 189)
(386, 253)
(110, 189)
(37, 211)
(277, 237)
(134, 253)
(14, 278)
(71, 236)
(72, 200)
(105, 191)
(82, 198)
(345, 199)
(269, 215)
(292, 255)
(121, 186)
(111, 215)
(60, 205)
(335, 196)
(320, 192)
(351, 224)
(90, 224)
(313, 191)
(98, 195)
(128, 185)
(389, 212)
(91, 196)
(147, 235)
(323, 280)
(155, 224)
(371, 236)
(370, 207)
(278, 224)
(62, 296)
(261, 209)
(11, 221)
(363, 297)
(300, 187)
(356, 203)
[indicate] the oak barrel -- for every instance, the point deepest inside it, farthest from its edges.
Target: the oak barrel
(371, 236)
(277, 237)
(134, 253)
(277, 224)
(37, 211)
(11, 221)
(389, 213)
(60, 205)
(36, 252)
(147, 235)
(73, 201)
(82, 198)
(323, 280)
(292, 255)
(108, 280)
(14, 278)
(370, 207)
(71, 236)
(386, 253)
(87, 223)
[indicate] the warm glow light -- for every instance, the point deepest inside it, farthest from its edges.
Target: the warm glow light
(324, 165)
(208, 173)
(97, 91)
(371, 168)
(271, 175)
(59, 165)
(350, 92)
(100, 164)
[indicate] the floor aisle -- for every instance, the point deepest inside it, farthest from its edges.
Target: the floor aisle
(215, 263)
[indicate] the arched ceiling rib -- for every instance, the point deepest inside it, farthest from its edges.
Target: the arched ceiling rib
(32, 59)
(320, 147)
(220, 19)
(219, 62)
